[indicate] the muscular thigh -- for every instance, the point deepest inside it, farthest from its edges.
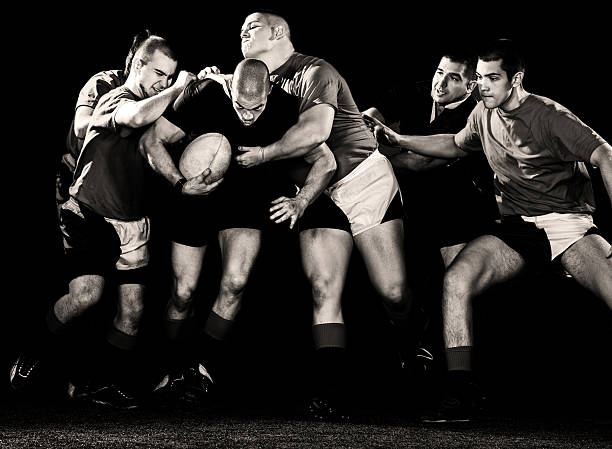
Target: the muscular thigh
(326, 251)
(187, 262)
(239, 249)
(484, 262)
(382, 249)
(588, 262)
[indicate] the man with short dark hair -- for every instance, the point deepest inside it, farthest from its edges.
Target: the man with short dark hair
(104, 225)
(89, 95)
(454, 196)
(537, 150)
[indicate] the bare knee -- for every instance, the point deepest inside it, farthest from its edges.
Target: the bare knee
(395, 294)
(182, 295)
(83, 296)
(325, 289)
(233, 285)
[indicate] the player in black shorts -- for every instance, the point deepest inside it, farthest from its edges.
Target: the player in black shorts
(246, 111)
(105, 227)
(454, 197)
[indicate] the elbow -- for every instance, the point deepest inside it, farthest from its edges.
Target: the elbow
(80, 129)
(330, 167)
(318, 135)
(137, 122)
(145, 144)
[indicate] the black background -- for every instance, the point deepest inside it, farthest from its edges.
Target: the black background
(542, 340)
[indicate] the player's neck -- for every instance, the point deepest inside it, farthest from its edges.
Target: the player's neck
(278, 56)
(516, 98)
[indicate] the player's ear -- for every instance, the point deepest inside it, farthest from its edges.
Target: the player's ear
(471, 85)
(278, 31)
(517, 79)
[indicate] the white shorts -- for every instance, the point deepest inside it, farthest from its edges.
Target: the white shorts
(562, 230)
(134, 236)
(365, 194)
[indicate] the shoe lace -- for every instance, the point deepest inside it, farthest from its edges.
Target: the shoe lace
(27, 365)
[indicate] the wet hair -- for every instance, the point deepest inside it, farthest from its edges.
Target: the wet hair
(465, 57)
(505, 50)
(251, 78)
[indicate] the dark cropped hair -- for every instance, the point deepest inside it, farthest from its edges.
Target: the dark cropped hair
(463, 56)
(507, 51)
(137, 41)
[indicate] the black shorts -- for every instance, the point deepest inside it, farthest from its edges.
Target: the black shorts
(451, 219)
(395, 210)
(323, 213)
(91, 244)
(244, 199)
(526, 239)
(191, 219)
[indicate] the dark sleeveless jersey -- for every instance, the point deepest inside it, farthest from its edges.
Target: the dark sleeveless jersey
(204, 107)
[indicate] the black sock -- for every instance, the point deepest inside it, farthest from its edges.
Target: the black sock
(177, 344)
(121, 360)
(329, 360)
(211, 345)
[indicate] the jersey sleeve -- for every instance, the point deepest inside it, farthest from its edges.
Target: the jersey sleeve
(94, 89)
(320, 85)
(576, 141)
(468, 139)
(104, 113)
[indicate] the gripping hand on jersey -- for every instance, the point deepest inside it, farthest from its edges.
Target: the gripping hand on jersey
(383, 133)
(250, 157)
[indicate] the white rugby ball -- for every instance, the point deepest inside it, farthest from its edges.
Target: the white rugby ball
(211, 150)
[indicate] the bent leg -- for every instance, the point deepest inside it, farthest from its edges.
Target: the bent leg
(239, 250)
(130, 308)
(326, 254)
(382, 249)
(483, 262)
(449, 253)
(587, 261)
(83, 292)
(186, 268)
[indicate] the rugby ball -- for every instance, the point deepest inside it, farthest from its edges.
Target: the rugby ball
(211, 150)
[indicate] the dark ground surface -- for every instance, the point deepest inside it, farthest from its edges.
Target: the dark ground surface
(64, 426)
(543, 345)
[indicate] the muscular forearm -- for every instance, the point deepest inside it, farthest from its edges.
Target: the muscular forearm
(312, 129)
(154, 150)
(317, 179)
(438, 146)
(297, 141)
(408, 160)
(142, 113)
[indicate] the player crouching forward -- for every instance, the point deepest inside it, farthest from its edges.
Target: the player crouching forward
(248, 112)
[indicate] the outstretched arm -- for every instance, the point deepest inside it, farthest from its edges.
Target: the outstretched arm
(318, 177)
(437, 146)
(312, 129)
